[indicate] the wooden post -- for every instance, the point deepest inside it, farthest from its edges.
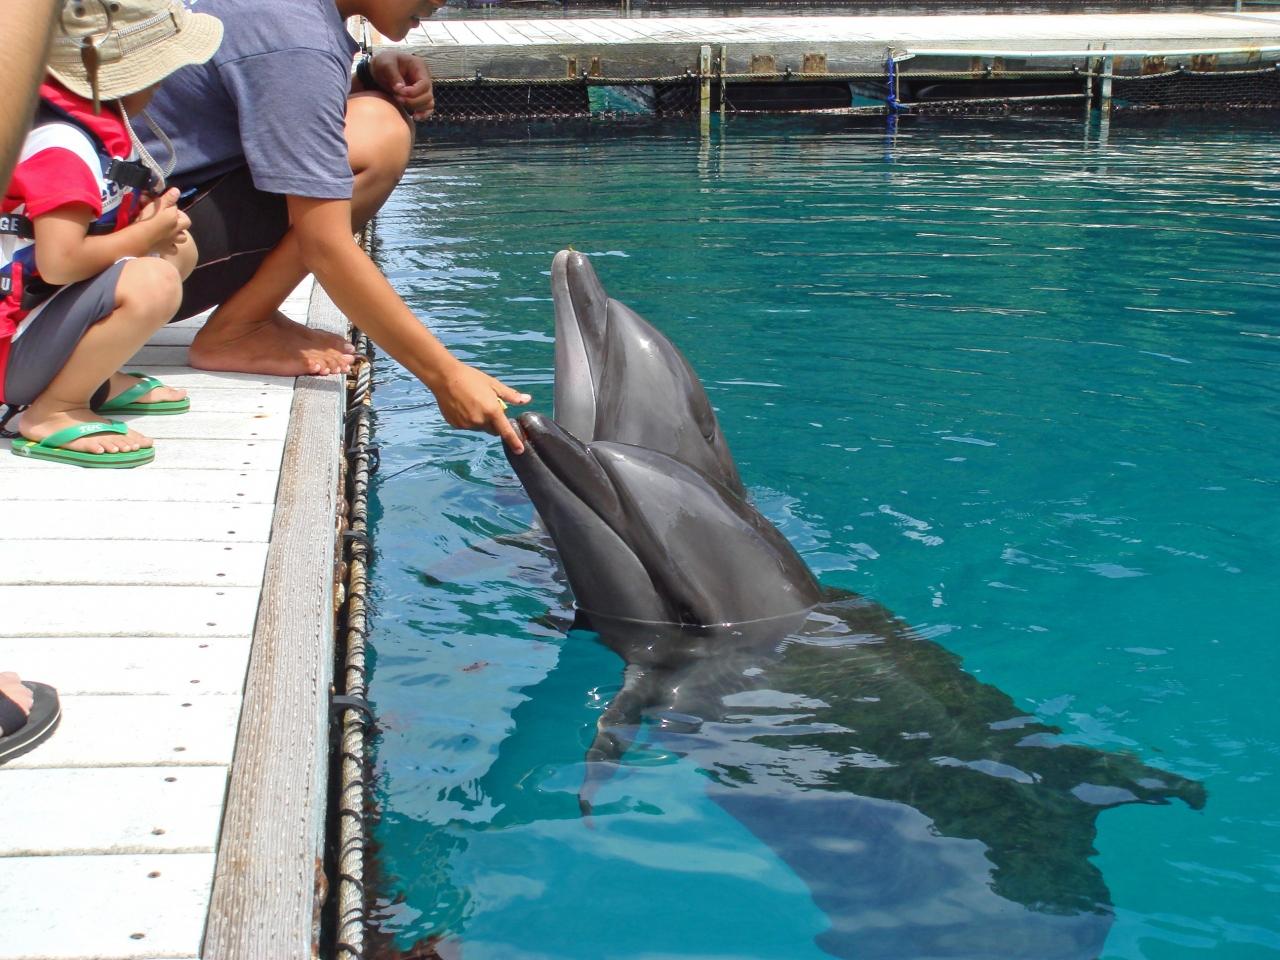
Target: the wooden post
(704, 93)
(1105, 105)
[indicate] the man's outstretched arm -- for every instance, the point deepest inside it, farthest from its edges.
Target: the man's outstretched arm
(468, 398)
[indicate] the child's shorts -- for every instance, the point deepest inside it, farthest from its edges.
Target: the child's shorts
(44, 346)
(235, 225)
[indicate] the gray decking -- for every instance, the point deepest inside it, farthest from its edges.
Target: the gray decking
(140, 595)
(652, 46)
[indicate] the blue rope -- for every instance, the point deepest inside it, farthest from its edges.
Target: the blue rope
(891, 99)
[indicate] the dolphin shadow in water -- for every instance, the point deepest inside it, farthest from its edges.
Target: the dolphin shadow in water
(929, 817)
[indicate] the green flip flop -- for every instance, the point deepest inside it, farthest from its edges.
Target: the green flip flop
(127, 402)
(52, 447)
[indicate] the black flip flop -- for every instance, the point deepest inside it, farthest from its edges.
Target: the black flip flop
(32, 729)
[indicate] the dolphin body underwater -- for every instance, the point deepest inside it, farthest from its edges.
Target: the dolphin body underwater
(929, 817)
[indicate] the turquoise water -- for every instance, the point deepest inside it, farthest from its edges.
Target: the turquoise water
(1016, 381)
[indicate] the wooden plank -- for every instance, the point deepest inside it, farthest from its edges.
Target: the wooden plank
(264, 900)
(104, 611)
(270, 402)
(136, 562)
(619, 61)
(199, 424)
(160, 355)
(510, 34)
(635, 31)
(229, 455)
(462, 33)
(532, 31)
(436, 33)
(486, 33)
(136, 810)
(134, 522)
(135, 666)
(219, 380)
(191, 323)
(124, 906)
(688, 30)
(553, 30)
(589, 32)
(608, 30)
(110, 731)
(174, 334)
(151, 483)
(866, 59)
(433, 32)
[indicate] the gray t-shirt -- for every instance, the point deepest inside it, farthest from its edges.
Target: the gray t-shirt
(274, 96)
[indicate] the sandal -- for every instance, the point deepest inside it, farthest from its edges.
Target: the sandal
(28, 730)
(127, 402)
(53, 447)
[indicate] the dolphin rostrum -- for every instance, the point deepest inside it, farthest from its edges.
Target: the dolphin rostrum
(929, 816)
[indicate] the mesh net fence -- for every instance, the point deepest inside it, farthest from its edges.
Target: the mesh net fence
(967, 92)
(485, 99)
(1183, 89)
(494, 100)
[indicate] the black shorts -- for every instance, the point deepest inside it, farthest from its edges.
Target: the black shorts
(43, 348)
(234, 225)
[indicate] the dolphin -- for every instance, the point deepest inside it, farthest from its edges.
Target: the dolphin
(928, 815)
(618, 378)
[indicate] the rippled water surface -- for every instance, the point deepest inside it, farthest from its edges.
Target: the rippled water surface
(1015, 381)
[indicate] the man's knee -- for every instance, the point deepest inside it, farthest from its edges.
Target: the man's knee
(379, 136)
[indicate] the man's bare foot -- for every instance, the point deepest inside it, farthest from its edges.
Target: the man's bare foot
(120, 382)
(276, 346)
(36, 425)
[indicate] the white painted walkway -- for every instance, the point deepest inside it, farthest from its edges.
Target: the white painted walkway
(1025, 31)
(616, 47)
(134, 593)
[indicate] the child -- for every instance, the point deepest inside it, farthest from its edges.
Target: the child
(90, 264)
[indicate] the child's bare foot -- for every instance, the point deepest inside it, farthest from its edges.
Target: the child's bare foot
(276, 346)
(36, 425)
(120, 382)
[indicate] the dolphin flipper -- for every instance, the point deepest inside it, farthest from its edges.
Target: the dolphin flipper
(617, 728)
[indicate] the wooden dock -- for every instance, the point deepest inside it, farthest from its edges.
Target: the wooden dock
(671, 46)
(184, 612)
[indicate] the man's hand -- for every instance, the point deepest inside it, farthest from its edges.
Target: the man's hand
(164, 223)
(407, 79)
(473, 400)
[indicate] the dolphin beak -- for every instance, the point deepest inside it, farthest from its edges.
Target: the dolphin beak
(530, 425)
(561, 457)
(580, 304)
(515, 425)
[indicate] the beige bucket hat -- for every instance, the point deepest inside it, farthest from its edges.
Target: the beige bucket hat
(108, 49)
